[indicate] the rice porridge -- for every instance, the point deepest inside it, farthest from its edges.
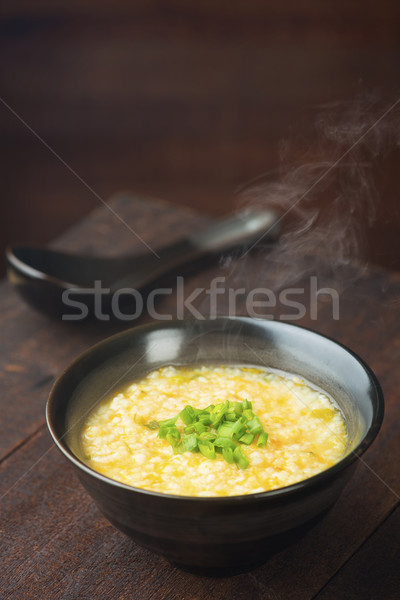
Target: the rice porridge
(214, 431)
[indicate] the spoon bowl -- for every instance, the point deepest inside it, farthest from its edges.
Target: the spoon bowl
(43, 276)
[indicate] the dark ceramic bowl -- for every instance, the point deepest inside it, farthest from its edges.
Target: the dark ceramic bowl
(216, 534)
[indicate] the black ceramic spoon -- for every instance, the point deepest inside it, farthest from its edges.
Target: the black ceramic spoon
(43, 276)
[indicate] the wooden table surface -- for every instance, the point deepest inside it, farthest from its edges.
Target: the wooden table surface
(56, 545)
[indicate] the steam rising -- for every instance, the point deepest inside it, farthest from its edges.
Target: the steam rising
(327, 205)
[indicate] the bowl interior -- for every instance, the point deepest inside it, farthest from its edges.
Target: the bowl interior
(116, 362)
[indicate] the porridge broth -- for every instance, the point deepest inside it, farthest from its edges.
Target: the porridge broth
(306, 432)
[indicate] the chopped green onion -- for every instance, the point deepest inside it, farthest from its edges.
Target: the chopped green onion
(173, 437)
(218, 412)
(188, 444)
(240, 432)
(221, 428)
(205, 418)
(240, 458)
(187, 415)
(262, 439)
(239, 428)
(222, 442)
(207, 449)
(164, 429)
(169, 422)
(226, 429)
(248, 413)
(231, 416)
(199, 427)
(152, 425)
(247, 438)
(254, 425)
(208, 435)
(191, 442)
(227, 453)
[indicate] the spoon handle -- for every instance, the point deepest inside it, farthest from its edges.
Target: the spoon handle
(42, 275)
(241, 229)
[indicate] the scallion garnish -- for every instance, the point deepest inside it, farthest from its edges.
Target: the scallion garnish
(223, 442)
(227, 453)
(207, 448)
(248, 413)
(262, 439)
(188, 444)
(173, 436)
(225, 430)
(187, 415)
(240, 458)
(222, 428)
(199, 427)
(205, 419)
(247, 438)
(239, 428)
(254, 425)
(152, 425)
(246, 404)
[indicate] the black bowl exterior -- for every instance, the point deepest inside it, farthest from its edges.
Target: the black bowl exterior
(230, 532)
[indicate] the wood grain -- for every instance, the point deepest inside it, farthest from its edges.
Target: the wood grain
(373, 572)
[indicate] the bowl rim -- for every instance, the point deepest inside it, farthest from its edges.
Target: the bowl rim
(377, 402)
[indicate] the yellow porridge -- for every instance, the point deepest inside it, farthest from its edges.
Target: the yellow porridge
(214, 431)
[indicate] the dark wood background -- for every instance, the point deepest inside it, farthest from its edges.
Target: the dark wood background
(188, 101)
